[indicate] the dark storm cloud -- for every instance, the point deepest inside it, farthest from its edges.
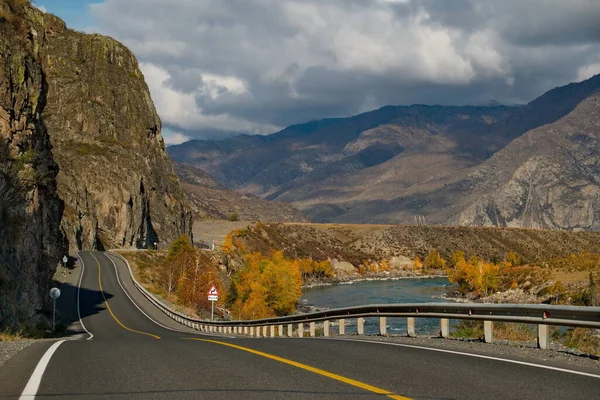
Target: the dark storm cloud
(256, 66)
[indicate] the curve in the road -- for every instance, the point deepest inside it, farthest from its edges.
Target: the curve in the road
(122, 363)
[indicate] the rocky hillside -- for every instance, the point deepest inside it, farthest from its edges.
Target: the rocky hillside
(31, 242)
(209, 200)
(82, 160)
(395, 163)
(359, 243)
(115, 177)
(547, 178)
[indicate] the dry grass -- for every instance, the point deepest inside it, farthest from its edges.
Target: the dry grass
(468, 329)
(584, 340)
(10, 336)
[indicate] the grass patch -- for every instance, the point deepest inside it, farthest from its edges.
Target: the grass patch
(10, 336)
(582, 339)
(469, 329)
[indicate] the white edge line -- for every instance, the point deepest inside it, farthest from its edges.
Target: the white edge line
(33, 384)
(108, 255)
(78, 296)
(134, 303)
(570, 371)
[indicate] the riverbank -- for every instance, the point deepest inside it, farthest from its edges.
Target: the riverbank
(350, 278)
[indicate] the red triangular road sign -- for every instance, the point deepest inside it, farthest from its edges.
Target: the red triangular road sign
(213, 291)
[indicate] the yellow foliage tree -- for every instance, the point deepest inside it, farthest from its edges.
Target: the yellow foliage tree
(474, 275)
(418, 264)
(265, 287)
(434, 260)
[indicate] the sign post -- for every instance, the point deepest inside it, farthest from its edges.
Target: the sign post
(54, 294)
(213, 295)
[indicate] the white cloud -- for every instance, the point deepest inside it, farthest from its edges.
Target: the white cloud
(588, 71)
(255, 66)
(174, 137)
(41, 8)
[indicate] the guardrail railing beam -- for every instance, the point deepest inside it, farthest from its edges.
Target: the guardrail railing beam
(542, 315)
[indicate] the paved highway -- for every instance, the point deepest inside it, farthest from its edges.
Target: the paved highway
(133, 351)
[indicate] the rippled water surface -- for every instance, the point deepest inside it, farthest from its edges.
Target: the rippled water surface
(381, 292)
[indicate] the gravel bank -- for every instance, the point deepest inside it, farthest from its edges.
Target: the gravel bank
(556, 355)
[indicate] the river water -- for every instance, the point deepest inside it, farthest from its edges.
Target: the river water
(381, 292)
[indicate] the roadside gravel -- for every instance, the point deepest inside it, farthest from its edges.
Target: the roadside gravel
(9, 349)
(556, 355)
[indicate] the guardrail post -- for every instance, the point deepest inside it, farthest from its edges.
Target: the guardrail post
(245, 330)
(342, 327)
(301, 329)
(272, 331)
(280, 330)
(543, 336)
(360, 325)
(257, 331)
(264, 333)
(382, 325)
(251, 331)
(444, 327)
(290, 330)
(488, 331)
(326, 328)
(410, 325)
(311, 329)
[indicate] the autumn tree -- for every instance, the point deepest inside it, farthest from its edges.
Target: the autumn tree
(434, 260)
(417, 264)
(475, 275)
(266, 286)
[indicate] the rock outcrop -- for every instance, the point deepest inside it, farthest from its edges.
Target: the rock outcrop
(82, 162)
(30, 210)
(115, 177)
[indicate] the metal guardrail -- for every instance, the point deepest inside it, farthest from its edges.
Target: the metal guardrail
(542, 315)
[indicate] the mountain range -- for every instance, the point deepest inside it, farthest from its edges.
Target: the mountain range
(534, 166)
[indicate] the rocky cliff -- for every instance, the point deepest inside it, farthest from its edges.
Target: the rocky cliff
(83, 163)
(30, 210)
(115, 177)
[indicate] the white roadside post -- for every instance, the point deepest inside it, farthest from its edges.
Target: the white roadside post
(213, 295)
(54, 294)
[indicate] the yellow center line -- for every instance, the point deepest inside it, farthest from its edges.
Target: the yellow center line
(318, 371)
(110, 310)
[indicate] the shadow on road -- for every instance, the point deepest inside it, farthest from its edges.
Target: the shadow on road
(91, 302)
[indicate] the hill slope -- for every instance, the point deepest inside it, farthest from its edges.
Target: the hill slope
(395, 163)
(209, 200)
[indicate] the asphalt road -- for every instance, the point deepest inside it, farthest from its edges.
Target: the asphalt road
(136, 352)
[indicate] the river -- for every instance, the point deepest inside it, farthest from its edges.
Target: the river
(381, 292)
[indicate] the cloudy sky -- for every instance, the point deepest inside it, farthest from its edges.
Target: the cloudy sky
(216, 67)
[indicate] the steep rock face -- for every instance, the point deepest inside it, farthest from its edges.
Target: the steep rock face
(547, 178)
(31, 242)
(115, 177)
